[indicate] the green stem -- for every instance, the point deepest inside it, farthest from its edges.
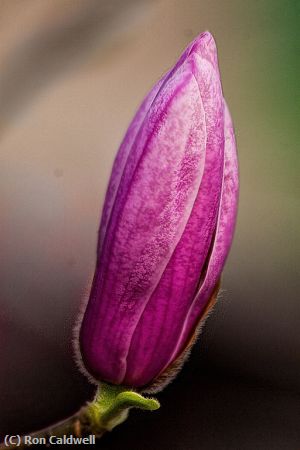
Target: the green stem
(109, 408)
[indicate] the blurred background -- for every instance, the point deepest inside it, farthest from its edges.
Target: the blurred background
(72, 73)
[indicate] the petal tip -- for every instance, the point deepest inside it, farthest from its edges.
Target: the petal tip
(205, 46)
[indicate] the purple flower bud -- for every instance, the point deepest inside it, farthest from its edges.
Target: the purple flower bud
(167, 225)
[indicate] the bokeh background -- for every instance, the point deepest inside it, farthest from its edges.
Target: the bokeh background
(72, 73)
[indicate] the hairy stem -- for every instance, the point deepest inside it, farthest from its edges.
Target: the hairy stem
(109, 408)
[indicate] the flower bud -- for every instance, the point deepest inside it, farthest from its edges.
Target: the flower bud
(167, 225)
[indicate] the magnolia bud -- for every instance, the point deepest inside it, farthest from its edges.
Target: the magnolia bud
(167, 225)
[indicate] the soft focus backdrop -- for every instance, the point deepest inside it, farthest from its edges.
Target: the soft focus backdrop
(72, 73)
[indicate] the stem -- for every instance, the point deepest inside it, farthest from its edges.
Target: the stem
(109, 408)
